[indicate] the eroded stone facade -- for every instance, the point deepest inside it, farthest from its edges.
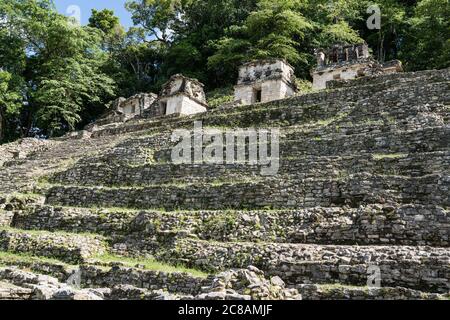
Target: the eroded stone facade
(123, 109)
(181, 96)
(344, 62)
(264, 81)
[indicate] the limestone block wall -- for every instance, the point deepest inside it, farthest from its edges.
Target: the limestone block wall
(352, 70)
(321, 77)
(245, 94)
(68, 248)
(426, 268)
(182, 105)
(270, 90)
(153, 280)
(264, 81)
(355, 190)
(261, 70)
(275, 90)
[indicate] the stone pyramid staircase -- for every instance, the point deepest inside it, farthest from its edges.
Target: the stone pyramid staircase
(363, 186)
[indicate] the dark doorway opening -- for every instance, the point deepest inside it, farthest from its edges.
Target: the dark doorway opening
(258, 95)
(163, 108)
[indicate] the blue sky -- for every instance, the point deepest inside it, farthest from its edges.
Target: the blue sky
(86, 6)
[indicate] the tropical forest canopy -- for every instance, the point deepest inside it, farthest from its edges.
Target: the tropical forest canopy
(56, 76)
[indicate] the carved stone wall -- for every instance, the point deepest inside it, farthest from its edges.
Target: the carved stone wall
(264, 81)
(182, 96)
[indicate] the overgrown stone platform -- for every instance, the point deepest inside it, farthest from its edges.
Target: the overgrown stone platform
(363, 184)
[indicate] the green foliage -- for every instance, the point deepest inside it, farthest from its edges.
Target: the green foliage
(220, 96)
(59, 76)
(427, 44)
(218, 226)
(304, 86)
(274, 30)
(9, 95)
(104, 20)
(61, 66)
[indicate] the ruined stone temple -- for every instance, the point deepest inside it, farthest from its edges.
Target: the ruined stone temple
(264, 81)
(123, 109)
(362, 188)
(345, 62)
(182, 96)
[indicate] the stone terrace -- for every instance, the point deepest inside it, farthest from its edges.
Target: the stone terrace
(363, 181)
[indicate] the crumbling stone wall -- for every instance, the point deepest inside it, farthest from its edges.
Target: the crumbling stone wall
(264, 81)
(182, 96)
(343, 62)
(427, 268)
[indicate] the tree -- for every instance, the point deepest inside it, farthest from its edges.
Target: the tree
(185, 31)
(62, 66)
(426, 42)
(104, 20)
(10, 101)
(276, 29)
(113, 33)
(156, 17)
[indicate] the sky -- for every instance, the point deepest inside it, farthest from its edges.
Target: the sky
(85, 6)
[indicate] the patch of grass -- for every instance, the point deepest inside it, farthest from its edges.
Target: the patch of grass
(219, 225)
(43, 232)
(220, 96)
(381, 156)
(304, 86)
(107, 210)
(8, 258)
(333, 286)
(25, 195)
(149, 264)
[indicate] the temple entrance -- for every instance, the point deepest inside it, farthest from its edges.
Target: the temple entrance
(257, 95)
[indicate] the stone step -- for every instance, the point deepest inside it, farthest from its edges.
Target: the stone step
(70, 248)
(109, 174)
(275, 193)
(421, 268)
(42, 265)
(173, 282)
(158, 149)
(371, 224)
(21, 176)
(246, 115)
(431, 139)
(427, 75)
(108, 222)
(343, 292)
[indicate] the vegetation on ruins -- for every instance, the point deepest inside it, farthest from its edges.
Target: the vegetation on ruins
(56, 75)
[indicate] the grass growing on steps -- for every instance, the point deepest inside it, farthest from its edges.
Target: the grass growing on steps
(220, 96)
(381, 156)
(8, 258)
(25, 196)
(148, 264)
(46, 232)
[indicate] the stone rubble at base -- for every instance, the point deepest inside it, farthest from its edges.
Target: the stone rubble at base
(235, 284)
